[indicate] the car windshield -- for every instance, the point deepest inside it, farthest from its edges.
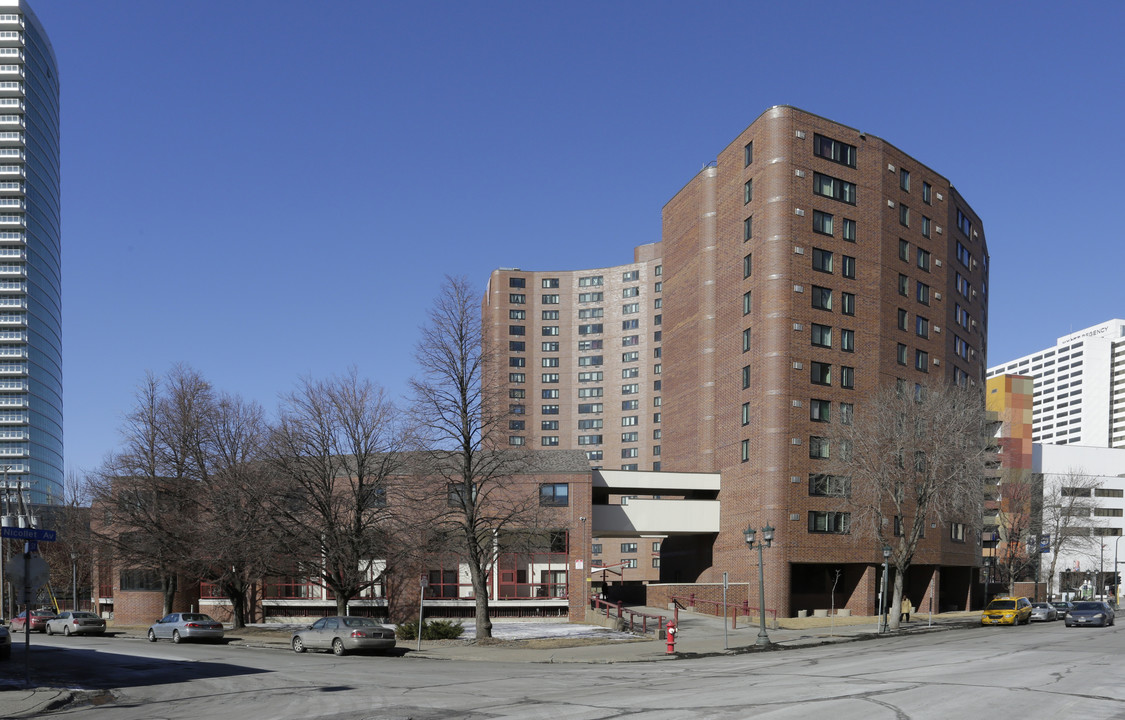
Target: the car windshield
(358, 622)
(196, 617)
(1087, 606)
(1002, 605)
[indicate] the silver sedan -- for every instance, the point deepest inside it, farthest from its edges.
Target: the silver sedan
(186, 626)
(76, 623)
(343, 634)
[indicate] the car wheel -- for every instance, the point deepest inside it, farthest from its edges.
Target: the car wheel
(66, 630)
(50, 631)
(298, 645)
(151, 636)
(175, 636)
(338, 647)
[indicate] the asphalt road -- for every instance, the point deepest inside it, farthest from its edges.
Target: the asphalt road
(1042, 671)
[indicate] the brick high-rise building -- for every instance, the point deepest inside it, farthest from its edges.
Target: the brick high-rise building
(808, 266)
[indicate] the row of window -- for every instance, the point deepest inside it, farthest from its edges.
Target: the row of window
(587, 281)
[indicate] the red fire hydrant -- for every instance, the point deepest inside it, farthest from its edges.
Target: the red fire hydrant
(671, 638)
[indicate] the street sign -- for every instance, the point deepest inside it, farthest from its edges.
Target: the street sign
(28, 534)
(40, 573)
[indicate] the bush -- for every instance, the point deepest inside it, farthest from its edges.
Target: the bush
(431, 630)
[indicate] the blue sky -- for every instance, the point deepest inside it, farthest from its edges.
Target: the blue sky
(268, 190)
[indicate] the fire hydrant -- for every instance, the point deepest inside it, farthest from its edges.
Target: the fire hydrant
(671, 638)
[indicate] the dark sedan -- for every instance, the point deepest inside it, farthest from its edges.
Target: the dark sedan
(1090, 612)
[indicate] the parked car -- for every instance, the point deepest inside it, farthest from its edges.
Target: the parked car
(343, 634)
(1062, 606)
(74, 622)
(1007, 611)
(5, 643)
(186, 626)
(1090, 612)
(1043, 612)
(39, 620)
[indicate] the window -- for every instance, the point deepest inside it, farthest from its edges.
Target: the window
(631, 276)
(596, 549)
(847, 340)
(821, 260)
(1107, 512)
(587, 345)
(516, 346)
(847, 303)
(745, 451)
(516, 282)
(926, 191)
(550, 314)
(594, 329)
(515, 424)
(819, 410)
(550, 377)
(517, 298)
(140, 581)
(921, 327)
(848, 267)
(925, 226)
(1109, 492)
(964, 224)
(549, 440)
(903, 285)
(745, 377)
(631, 356)
(904, 179)
(821, 298)
(748, 228)
(628, 292)
(834, 150)
(921, 360)
(964, 287)
(589, 360)
(590, 376)
(549, 346)
(594, 455)
(828, 186)
(630, 340)
(903, 215)
(746, 303)
(630, 437)
(547, 361)
(847, 410)
(903, 250)
(847, 377)
(628, 547)
(829, 485)
(516, 393)
(821, 335)
(550, 299)
(588, 408)
(549, 283)
(590, 392)
(591, 281)
(963, 255)
(629, 421)
(554, 494)
(630, 308)
(748, 154)
(829, 522)
(745, 414)
(590, 313)
(902, 353)
(957, 532)
(549, 409)
(516, 330)
(548, 425)
(849, 230)
(517, 377)
(747, 266)
(822, 222)
(630, 372)
(922, 292)
(924, 259)
(630, 324)
(590, 297)
(746, 340)
(821, 373)
(515, 440)
(631, 562)
(549, 330)
(548, 394)
(903, 319)
(456, 495)
(517, 314)
(818, 447)
(590, 424)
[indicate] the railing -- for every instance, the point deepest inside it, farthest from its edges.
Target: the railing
(716, 608)
(618, 610)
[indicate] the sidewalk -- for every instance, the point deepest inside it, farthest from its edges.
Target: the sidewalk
(699, 636)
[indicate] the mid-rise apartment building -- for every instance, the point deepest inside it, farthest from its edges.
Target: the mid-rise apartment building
(1079, 394)
(808, 266)
(31, 395)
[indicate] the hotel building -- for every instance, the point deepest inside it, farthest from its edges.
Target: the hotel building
(809, 265)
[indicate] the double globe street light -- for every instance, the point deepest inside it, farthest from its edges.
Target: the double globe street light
(767, 539)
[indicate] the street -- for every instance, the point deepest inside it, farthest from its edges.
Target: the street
(1041, 671)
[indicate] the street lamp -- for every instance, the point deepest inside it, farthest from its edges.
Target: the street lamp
(767, 540)
(74, 579)
(884, 611)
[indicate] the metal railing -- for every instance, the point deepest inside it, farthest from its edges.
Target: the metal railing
(715, 607)
(631, 617)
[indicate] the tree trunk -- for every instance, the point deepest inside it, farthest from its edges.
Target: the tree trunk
(168, 584)
(895, 606)
(480, 592)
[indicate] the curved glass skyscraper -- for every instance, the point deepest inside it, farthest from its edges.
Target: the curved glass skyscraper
(31, 395)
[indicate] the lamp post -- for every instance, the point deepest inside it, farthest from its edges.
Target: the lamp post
(74, 579)
(767, 540)
(1116, 577)
(884, 610)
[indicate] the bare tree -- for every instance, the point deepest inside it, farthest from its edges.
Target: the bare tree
(461, 424)
(334, 447)
(1018, 520)
(911, 459)
(1068, 505)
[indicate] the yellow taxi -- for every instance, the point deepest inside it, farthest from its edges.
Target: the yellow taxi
(1007, 611)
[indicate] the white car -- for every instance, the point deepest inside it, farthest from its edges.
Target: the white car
(76, 622)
